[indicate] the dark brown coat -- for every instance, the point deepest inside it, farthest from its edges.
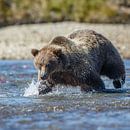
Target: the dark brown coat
(79, 60)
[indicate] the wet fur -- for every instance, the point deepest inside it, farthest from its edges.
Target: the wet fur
(85, 56)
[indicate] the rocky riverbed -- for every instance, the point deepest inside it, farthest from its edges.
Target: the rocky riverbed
(17, 41)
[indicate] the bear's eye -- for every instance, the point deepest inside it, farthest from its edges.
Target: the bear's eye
(39, 65)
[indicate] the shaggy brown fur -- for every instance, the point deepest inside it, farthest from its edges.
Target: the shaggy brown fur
(78, 60)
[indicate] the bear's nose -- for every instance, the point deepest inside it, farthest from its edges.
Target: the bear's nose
(44, 76)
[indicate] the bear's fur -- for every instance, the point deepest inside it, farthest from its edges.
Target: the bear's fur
(79, 60)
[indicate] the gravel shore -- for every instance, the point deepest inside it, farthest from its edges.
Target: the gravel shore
(17, 41)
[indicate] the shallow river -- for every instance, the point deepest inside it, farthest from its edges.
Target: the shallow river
(63, 109)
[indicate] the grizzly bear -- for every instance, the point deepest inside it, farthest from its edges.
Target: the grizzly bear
(79, 59)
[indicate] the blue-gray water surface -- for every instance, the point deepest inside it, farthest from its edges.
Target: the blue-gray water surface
(63, 111)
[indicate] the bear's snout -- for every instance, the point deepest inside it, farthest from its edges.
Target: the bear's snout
(44, 76)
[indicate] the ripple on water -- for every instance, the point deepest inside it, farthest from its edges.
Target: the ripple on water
(64, 108)
(71, 120)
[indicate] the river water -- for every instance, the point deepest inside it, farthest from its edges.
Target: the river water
(63, 109)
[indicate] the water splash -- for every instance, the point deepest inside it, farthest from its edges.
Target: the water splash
(32, 90)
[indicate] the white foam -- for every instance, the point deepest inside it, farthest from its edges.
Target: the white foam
(66, 90)
(32, 89)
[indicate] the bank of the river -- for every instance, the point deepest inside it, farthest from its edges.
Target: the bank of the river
(16, 42)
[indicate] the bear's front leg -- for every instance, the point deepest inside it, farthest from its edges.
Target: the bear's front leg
(93, 82)
(44, 87)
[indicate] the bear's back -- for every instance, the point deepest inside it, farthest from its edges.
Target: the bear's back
(86, 42)
(88, 38)
(81, 33)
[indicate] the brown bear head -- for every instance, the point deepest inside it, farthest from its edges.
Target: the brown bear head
(48, 60)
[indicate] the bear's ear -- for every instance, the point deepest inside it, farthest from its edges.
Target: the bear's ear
(34, 52)
(57, 52)
(59, 39)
